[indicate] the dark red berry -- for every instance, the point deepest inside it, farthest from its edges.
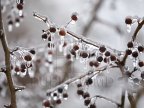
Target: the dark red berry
(60, 90)
(107, 53)
(130, 44)
(100, 59)
(79, 85)
(74, 17)
(142, 74)
(102, 49)
(44, 36)
(76, 47)
(135, 54)
(96, 64)
(89, 81)
(140, 48)
(141, 64)
(86, 94)
(32, 51)
(58, 101)
(23, 66)
(113, 58)
(68, 56)
(46, 103)
(92, 106)
(17, 69)
(52, 29)
(128, 52)
(62, 32)
(19, 6)
(91, 63)
(105, 60)
(10, 22)
(84, 54)
(65, 95)
(28, 57)
(87, 102)
(80, 92)
(73, 52)
(128, 20)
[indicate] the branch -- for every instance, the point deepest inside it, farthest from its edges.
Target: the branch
(140, 25)
(132, 100)
(96, 8)
(80, 77)
(7, 63)
(110, 100)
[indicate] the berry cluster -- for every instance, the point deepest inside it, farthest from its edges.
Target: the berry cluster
(15, 16)
(21, 60)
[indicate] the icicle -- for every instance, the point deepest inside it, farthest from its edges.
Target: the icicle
(17, 24)
(10, 27)
(62, 40)
(20, 12)
(31, 73)
(51, 68)
(128, 28)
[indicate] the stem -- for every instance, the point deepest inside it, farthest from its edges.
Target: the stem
(123, 99)
(7, 63)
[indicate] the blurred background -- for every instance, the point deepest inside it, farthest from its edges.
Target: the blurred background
(99, 20)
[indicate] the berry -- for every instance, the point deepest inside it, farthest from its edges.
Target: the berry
(32, 51)
(105, 60)
(19, 6)
(10, 22)
(92, 106)
(28, 57)
(52, 29)
(102, 49)
(91, 63)
(130, 44)
(84, 54)
(79, 85)
(55, 94)
(68, 56)
(113, 58)
(46, 103)
(100, 59)
(141, 64)
(136, 80)
(17, 69)
(87, 102)
(74, 16)
(89, 81)
(135, 54)
(76, 47)
(62, 32)
(80, 92)
(96, 64)
(140, 48)
(142, 75)
(44, 36)
(65, 95)
(86, 94)
(128, 52)
(73, 52)
(23, 66)
(58, 101)
(107, 53)
(60, 90)
(128, 20)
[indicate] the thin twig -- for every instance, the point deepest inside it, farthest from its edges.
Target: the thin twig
(110, 100)
(97, 71)
(7, 63)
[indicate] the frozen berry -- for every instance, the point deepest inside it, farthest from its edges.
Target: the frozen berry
(141, 63)
(28, 57)
(140, 48)
(102, 49)
(135, 54)
(80, 92)
(107, 53)
(46, 103)
(100, 59)
(76, 47)
(74, 16)
(89, 81)
(130, 44)
(87, 102)
(19, 6)
(128, 20)
(128, 52)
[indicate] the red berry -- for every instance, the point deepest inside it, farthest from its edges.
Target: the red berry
(46, 103)
(62, 32)
(28, 57)
(102, 49)
(74, 16)
(128, 20)
(130, 44)
(19, 6)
